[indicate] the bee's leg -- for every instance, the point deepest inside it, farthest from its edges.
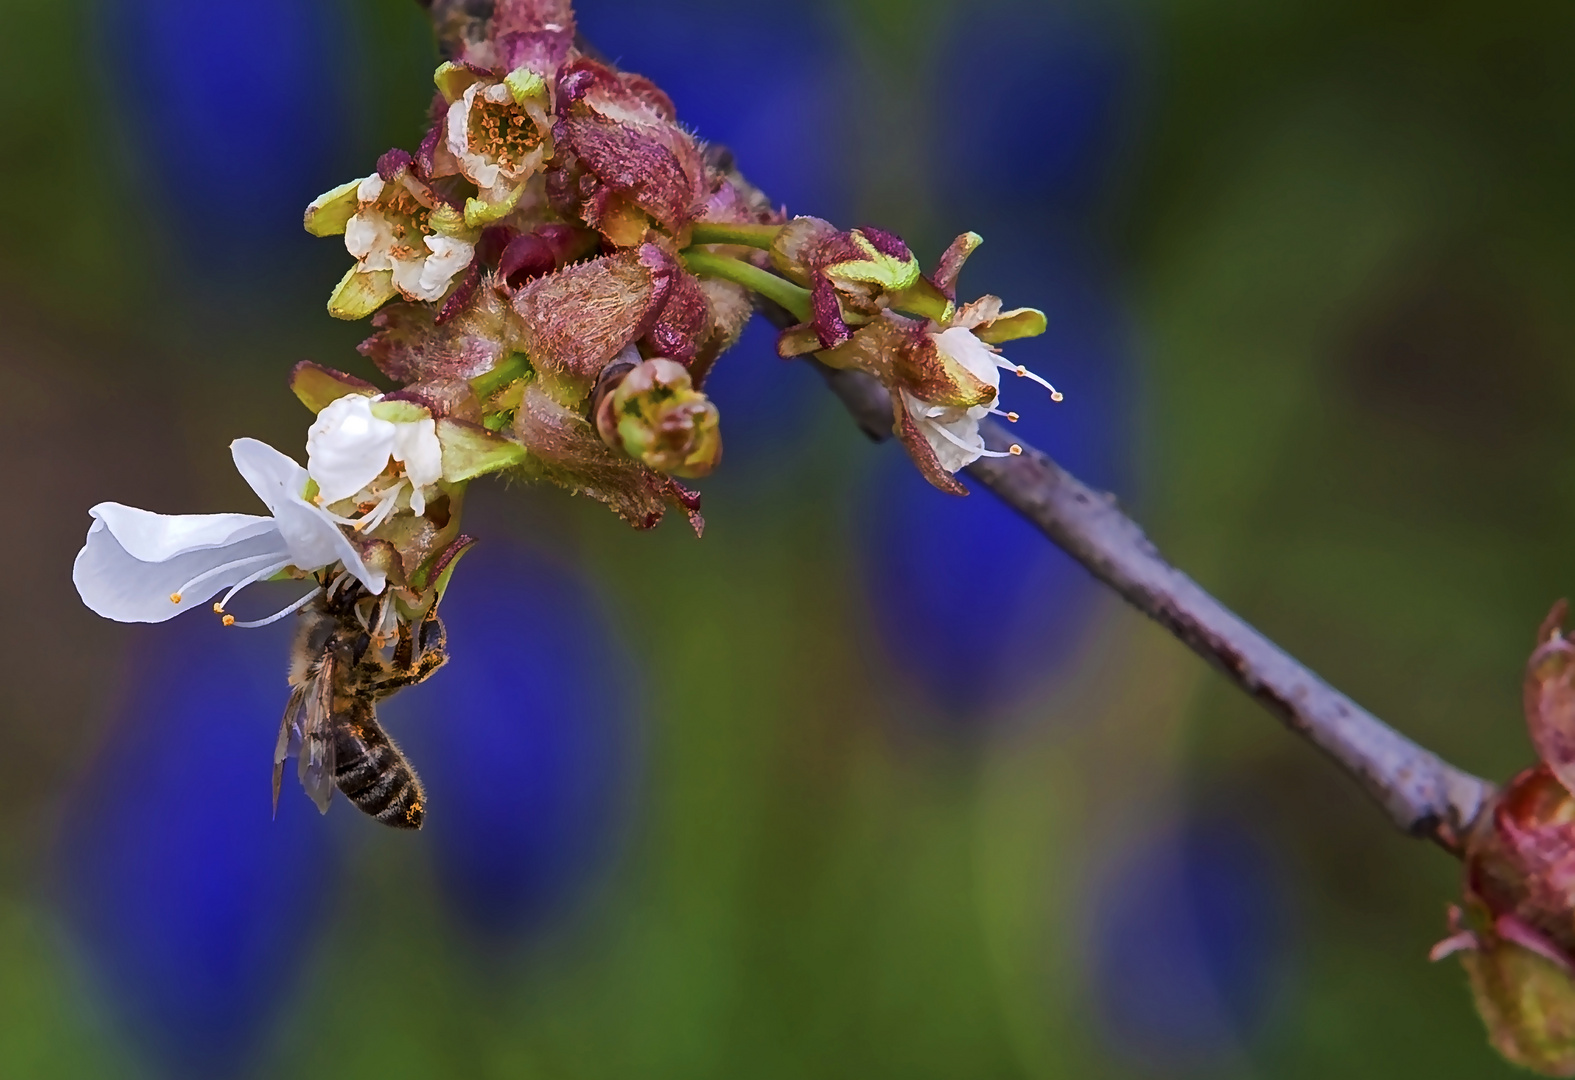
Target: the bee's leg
(404, 650)
(432, 640)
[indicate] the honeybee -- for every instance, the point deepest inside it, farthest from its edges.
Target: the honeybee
(351, 651)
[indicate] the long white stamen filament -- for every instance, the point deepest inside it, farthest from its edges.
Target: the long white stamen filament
(379, 513)
(1023, 373)
(276, 616)
(251, 560)
(1013, 452)
(250, 579)
(339, 582)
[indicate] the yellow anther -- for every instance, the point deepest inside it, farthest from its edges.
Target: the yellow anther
(1012, 417)
(1056, 395)
(174, 597)
(1015, 450)
(229, 620)
(218, 608)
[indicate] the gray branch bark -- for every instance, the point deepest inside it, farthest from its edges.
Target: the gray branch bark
(1422, 794)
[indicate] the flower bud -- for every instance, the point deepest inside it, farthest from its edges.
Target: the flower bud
(656, 416)
(848, 273)
(1515, 935)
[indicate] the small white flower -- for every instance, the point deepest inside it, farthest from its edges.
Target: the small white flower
(952, 431)
(496, 141)
(392, 230)
(348, 450)
(138, 566)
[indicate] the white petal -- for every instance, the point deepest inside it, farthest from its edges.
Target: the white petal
(116, 583)
(417, 446)
(963, 429)
(370, 238)
(314, 539)
(272, 475)
(347, 447)
(973, 354)
(370, 189)
(459, 123)
(152, 537)
(482, 173)
(408, 280)
(449, 257)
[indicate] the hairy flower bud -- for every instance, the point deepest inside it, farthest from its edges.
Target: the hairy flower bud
(1525, 999)
(655, 415)
(1516, 935)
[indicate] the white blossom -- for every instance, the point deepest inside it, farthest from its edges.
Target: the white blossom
(391, 230)
(348, 454)
(138, 566)
(497, 142)
(952, 431)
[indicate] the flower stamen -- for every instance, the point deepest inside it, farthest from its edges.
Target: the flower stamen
(1023, 373)
(947, 434)
(251, 560)
(229, 620)
(380, 512)
(265, 572)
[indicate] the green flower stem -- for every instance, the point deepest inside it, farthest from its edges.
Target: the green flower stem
(764, 282)
(514, 366)
(925, 300)
(726, 232)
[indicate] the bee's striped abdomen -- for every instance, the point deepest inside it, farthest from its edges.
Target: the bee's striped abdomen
(374, 775)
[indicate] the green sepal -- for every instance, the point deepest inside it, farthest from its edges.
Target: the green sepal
(453, 80)
(479, 214)
(330, 212)
(924, 298)
(1011, 325)
(359, 294)
(525, 85)
(400, 412)
(447, 221)
(318, 387)
(875, 267)
(470, 450)
(451, 557)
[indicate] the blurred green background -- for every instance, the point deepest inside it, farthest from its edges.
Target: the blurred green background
(867, 782)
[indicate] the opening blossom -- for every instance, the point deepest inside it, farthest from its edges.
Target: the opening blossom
(138, 566)
(953, 431)
(405, 238)
(497, 132)
(372, 452)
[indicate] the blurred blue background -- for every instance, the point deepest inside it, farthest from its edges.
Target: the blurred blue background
(870, 781)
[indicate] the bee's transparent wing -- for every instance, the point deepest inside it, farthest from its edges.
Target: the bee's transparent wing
(315, 759)
(306, 734)
(290, 734)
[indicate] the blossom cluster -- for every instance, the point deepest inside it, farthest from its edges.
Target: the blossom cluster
(551, 274)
